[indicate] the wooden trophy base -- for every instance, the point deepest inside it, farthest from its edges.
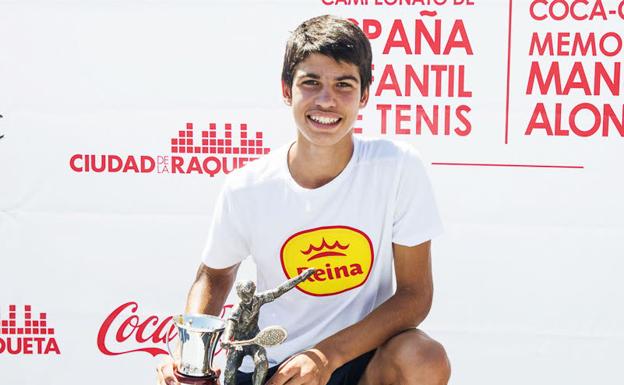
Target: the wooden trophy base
(190, 380)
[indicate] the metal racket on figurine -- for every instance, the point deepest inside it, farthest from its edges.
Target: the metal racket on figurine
(269, 336)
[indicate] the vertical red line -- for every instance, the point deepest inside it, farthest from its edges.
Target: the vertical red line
(508, 73)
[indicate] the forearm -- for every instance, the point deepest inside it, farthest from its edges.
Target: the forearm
(404, 310)
(210, 290)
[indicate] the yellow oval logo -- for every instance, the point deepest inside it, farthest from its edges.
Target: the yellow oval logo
(341, 255)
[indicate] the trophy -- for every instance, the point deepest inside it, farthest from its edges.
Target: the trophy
(199, 335)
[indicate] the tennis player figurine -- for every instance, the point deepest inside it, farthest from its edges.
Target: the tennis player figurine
(242, 335)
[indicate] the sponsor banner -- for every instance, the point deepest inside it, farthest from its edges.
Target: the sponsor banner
(119, 123)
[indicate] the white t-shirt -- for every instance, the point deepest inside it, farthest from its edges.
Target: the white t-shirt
(344, 228)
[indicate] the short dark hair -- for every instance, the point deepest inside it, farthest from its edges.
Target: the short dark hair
(331, 36)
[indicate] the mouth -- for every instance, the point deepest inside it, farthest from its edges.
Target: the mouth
(324, 121)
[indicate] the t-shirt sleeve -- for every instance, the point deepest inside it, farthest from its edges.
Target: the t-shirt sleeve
(226, 244)
(416, 217)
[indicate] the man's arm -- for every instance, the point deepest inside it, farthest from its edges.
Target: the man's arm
(406, 309)
(210, 290)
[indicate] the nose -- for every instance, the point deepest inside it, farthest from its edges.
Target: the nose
(325, 98)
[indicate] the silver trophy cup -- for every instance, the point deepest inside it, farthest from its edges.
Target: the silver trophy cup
(198, 338)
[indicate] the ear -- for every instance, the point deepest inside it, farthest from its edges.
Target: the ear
(286, 94)
(364, 98)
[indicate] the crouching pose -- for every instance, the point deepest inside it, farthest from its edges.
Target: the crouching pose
(360, 211)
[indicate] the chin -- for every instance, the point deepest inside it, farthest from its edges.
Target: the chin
(325, 138)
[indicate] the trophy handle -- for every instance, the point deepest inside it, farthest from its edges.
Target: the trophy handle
(169, 349)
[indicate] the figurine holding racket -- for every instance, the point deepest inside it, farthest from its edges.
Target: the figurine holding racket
(242, 335)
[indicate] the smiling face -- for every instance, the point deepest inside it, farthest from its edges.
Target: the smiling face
(325, 98)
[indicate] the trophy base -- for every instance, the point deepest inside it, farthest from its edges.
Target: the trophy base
(190, 380)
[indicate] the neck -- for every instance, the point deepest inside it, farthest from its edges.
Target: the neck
(313, 166)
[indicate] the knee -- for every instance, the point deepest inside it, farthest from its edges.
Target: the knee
(416, 355)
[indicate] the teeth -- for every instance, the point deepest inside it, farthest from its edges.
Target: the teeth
(324, 120)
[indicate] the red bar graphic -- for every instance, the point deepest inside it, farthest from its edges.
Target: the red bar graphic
(508, 73)
(212, 143)
(503, 165)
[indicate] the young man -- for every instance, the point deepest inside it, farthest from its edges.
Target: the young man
(360, 211)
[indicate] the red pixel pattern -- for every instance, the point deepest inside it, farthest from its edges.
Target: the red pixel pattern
(211, 144)
(31, 326)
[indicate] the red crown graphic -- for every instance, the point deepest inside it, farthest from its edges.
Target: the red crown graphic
(326, 246)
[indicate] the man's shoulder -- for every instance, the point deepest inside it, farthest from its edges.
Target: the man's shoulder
(382, 149)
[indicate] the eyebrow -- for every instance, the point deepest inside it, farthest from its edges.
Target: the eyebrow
(339, 78)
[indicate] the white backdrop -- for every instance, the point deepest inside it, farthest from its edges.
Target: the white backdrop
(527, 275)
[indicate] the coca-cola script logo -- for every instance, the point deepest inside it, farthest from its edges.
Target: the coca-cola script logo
(205, 152)
(124, 331)
(34, 336)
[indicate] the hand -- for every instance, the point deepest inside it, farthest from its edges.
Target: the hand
(227, 345)
(310, 367)
(164, 372)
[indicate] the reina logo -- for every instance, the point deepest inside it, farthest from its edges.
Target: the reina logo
(204, 153)
(123, 332)
(32, 337)
(341, 255)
